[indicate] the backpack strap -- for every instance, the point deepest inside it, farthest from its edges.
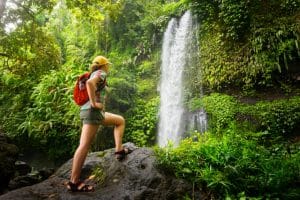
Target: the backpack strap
(103, 83)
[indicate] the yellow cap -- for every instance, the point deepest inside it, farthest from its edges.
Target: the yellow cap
(101, 60)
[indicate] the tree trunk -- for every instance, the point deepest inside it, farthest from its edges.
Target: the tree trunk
(2, 8)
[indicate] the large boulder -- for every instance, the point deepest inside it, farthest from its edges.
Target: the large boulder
(8, 157)
(136, 178)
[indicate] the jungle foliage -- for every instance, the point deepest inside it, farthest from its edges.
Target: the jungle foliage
(245, 45)
(250, 150)
(235, 165)
(248, 43)
(51, 43)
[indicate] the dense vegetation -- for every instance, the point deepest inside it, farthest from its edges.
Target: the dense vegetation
(247, 49)
(253, 44)
(250, 150)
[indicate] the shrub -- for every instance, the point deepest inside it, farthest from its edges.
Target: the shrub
(221, 110)
(279, 117)
(52, 120)
(142, 123)
(234, 163)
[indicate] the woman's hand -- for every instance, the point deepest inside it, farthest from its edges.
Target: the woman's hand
(98, 106)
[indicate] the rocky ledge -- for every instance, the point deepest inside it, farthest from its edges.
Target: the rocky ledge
(8, 157)
(135, 178)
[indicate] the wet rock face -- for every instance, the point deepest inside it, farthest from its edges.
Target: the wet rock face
(8, 157)
(136, 178)
(29, 178)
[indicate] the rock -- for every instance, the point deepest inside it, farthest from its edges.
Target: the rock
(22, 168)
(8, 156)
(24, 180)
(3, 138)
(46, 172)
(30, 177)
(135, 178)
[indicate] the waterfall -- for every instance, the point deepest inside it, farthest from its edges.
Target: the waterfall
(174, 57)
(198, 121)
(198, 118)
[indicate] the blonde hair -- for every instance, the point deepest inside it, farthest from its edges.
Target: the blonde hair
(95, 67)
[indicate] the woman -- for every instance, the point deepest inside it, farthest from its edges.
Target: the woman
(92, 114)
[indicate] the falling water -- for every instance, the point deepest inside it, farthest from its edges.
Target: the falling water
(197, 120)
(174, 57)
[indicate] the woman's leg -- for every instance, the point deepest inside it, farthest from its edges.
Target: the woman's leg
(119, 123)
(87, 135)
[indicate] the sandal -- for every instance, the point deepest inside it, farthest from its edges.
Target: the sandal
(121, 155)
(79, 187)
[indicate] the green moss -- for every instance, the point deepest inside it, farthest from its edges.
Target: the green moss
(247, 43)
(101, 154)
(99, 174)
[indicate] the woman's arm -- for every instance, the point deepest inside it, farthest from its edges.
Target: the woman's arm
(91, 85)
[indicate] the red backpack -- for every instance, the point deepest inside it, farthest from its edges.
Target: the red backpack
(80, 94)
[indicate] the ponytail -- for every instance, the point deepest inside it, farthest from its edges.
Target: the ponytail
(95, 66)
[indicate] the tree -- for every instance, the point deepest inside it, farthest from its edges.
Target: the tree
(29, 42)
(2, 8)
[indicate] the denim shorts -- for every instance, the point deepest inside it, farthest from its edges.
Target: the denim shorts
(92, 116)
